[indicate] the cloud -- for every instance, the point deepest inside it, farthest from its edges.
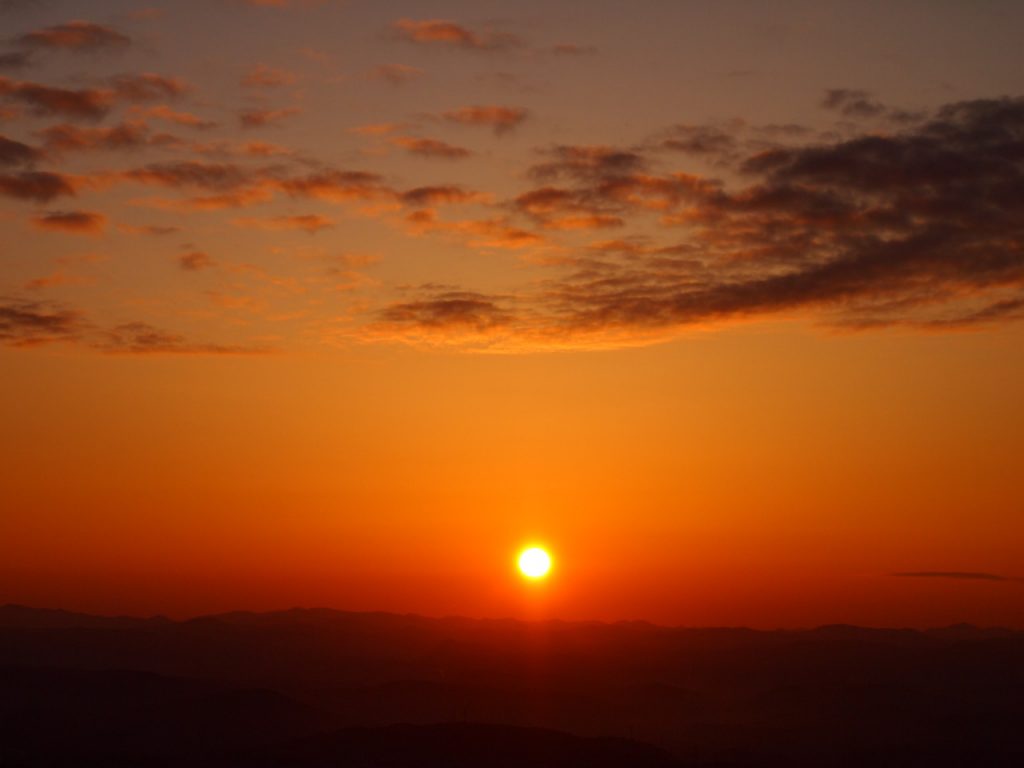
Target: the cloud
(89, 103)
(126, 135)
(310, 223)
(191, 173)
(501, 119)
(75, 36)
(459, 310)
(16, 153)
(438, 195)
(15, 60)
(140, 338)
(447, 33)
(480, 233)
(264, 149)
(31, 323)
(155, 230)
(335, 186)
(961, 575)
(377, 129)
(147, 86)
(571, 49)
(434, 148)
(263, 76)
(397, 74)
(71, 222)
(852, 103)
(701, 140)
(37, 186)
(42, 100)
(566, 209)
(258, 118)
(164, 112)
(587, 162)
(919, 227)
(195, 261)
(235, 186)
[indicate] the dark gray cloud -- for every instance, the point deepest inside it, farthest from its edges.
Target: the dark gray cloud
(141, 338)
(36, 186)
(15, 60)
(446, 33)
(89, 103)
(918, 227)
(16, 153)
(31, 323)
(450, 309)
(75, 36)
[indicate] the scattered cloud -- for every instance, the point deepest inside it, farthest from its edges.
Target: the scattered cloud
(445, 311)
(571, 49)
(702, 141)
(89, 103)
(45, 101)
(155, 230)
(263, 76)
(421, 197)
(434, 148)
(65, 137)
(378, 129)
(15, 60)
(310, 223)
(501, 119)
(37, 186)
(164, 112)
(141, 338)
(75, 36)
(32, 323)
(852, 103)
(918, 227)
(447, 33)
(17, 153)
(259, 118)
(397, 74)
(587, 162)
(195, 261)
(147, 86)
(71, 222)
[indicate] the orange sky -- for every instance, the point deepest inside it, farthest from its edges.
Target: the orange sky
(323, 303)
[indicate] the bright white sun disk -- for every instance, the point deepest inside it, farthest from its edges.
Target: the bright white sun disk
(534, 563)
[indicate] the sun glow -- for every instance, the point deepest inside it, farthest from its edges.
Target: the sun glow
(534, 563)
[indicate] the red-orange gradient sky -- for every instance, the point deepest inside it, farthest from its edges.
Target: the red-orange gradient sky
(342, 303)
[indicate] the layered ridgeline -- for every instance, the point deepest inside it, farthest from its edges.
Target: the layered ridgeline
(321, 687)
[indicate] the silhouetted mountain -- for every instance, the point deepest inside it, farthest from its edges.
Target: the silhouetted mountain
(23, 617)
(831, 696)
(460, 745)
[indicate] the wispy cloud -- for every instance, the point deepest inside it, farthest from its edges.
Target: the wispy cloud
(75, 35)
(919, 227)
(501, 119)
(71, 222)
(434, 148)
(448, 33)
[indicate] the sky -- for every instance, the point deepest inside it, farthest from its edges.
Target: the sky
(337, 303)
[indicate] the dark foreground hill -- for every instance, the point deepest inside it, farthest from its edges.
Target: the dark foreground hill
(326, 688)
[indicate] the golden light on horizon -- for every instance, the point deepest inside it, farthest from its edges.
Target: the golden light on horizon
(534, 563)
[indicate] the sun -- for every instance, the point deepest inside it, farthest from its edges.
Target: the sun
(534, 563)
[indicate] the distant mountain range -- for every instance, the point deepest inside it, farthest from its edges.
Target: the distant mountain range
(322, 687)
